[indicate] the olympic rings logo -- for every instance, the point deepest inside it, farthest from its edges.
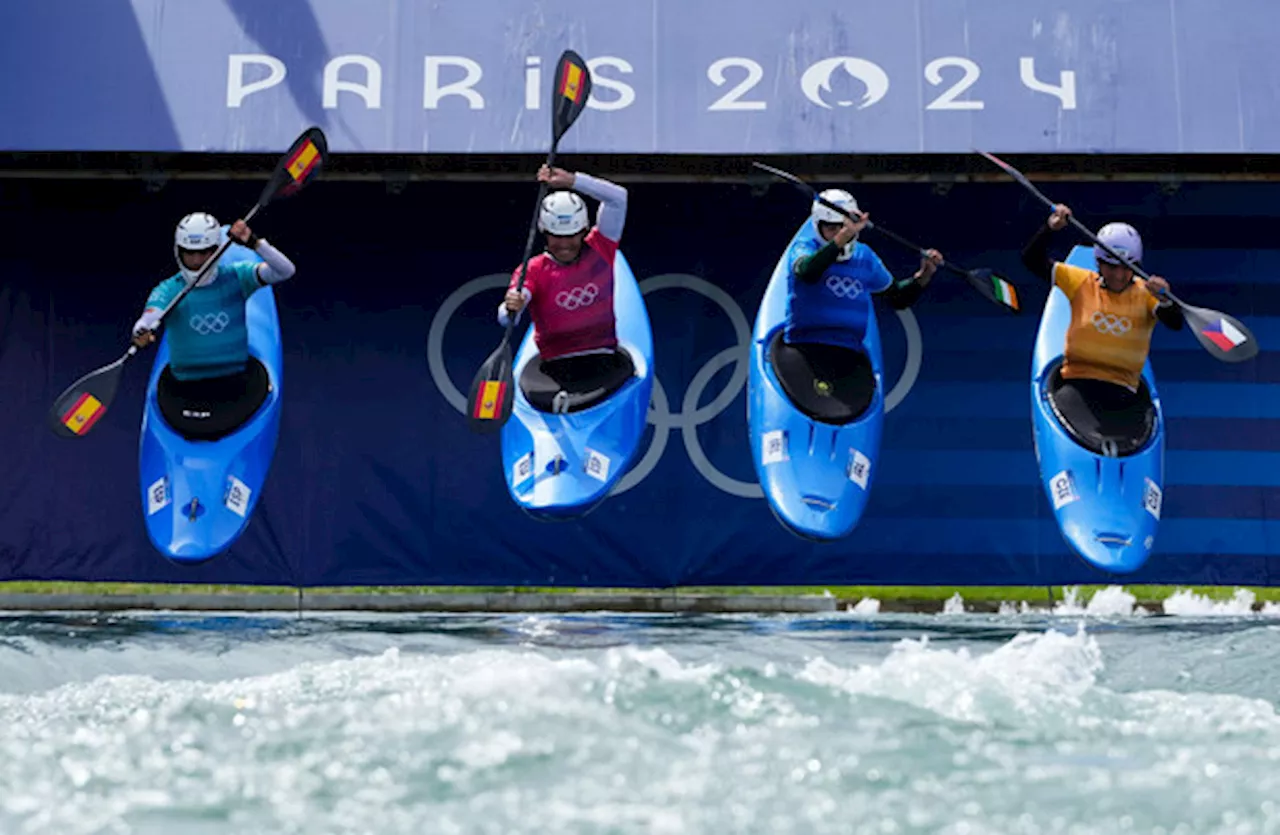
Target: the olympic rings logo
(209, 323)
(1109, 323)
(578, 296)
(844, 287)
(691, 415)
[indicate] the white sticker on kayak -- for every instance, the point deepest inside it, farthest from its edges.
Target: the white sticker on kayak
(773, 447)
(158, 496)
(238, 494)
(859, 468)
(1152, 497)
(597, 465)
(522, 469)
(1063, 489)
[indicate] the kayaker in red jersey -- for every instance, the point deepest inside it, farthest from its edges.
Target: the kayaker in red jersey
(569, 287)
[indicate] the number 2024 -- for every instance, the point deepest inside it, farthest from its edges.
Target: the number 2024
(1065, 90)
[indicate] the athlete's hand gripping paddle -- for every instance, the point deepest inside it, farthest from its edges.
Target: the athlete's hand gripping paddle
(1223, 336)
(990, 285)
(85, 401)
(489, 403)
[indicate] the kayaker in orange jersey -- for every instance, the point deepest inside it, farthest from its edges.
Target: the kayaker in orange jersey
(1113, 314)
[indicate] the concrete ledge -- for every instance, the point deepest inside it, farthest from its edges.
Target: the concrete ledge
(501, 602)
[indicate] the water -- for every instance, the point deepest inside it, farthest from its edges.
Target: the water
(1097, 720)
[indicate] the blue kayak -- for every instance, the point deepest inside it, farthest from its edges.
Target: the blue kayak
(198, 495)
(1106, 493)
(562, 459)
(814, 446)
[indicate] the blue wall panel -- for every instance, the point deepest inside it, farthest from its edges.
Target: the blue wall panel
(377, 479)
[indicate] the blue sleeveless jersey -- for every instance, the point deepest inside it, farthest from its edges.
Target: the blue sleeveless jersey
(834, 310)
(208, 334)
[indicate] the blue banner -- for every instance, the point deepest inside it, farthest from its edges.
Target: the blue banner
(696, 76)
(377, 479)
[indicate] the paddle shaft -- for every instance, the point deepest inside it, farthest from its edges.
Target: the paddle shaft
(1084, 230)
(533, 232)
(891, 235)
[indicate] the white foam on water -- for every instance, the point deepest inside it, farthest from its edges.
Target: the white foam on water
(865, 606)
(1009, 736)
(1112, 601)
(954, 605)
(1187, 603)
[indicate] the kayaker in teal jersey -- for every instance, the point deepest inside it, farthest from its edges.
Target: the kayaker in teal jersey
(211, 383)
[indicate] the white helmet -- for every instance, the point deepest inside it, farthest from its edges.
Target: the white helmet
(197, 231)
(825, 214)
(562, 213)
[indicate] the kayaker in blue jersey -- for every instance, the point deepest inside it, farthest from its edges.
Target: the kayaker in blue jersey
(832, 276)
(211, 384)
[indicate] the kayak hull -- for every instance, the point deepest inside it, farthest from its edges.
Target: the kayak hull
(563, 466)
(1107, 508)
(816, 476)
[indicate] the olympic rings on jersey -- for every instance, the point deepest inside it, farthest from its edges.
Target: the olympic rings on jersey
(844, 287)
(691, 415)
(578, 296)
(209, 323)
(1110, 323)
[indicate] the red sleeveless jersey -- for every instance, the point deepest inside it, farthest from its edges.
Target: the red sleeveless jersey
(572, 304)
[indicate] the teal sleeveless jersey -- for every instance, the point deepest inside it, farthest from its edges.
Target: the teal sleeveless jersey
(208, 335)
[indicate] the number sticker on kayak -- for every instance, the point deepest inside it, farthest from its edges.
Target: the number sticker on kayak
(859, 468)
(522, 469)
(1063, 489)
(158, 496)
(597, 465)
(1152, 498)
(238, 494)
(773, 447)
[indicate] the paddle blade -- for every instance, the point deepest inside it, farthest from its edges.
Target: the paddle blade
(301, 164)
(1221, 335)
(85, 401)
(994, 288)
(489, 404)
(569, 96)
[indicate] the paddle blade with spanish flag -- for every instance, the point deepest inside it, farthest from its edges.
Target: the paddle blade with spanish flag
(298, 166)
(570, 93)
(85, 401)
(489, 405)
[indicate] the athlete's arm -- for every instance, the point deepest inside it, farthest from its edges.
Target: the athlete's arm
(1035, 255)
(1170, 315)
(810, 267)
(904, 293)
(276, 267)
(613, 203)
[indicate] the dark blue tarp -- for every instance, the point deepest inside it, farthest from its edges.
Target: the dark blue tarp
(377, 479)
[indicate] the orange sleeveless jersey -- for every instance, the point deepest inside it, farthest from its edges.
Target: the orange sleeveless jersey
(1110, 333)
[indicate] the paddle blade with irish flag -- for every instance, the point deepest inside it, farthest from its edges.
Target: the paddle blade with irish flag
(298, 166)
(1221, 335)
(570, 93)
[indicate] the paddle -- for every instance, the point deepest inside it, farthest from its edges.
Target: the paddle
(85, 401)
(990, 285)
(1223, 336)
(489, 403)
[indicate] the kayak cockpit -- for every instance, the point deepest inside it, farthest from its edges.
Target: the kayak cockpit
(1102, 427)
(575, 383)
(827, 383)
(219, 408)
